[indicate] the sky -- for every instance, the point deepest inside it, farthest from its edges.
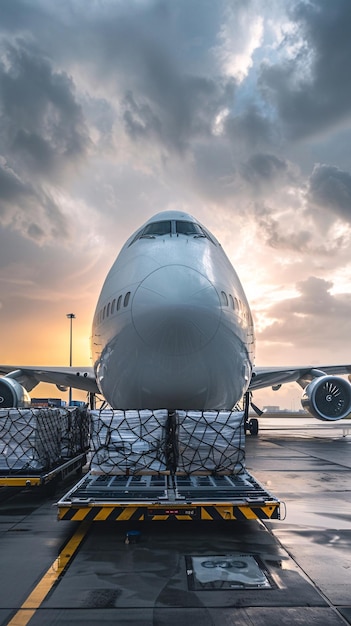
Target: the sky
(236, 111)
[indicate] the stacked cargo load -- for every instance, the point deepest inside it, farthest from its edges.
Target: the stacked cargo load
(125, 442)
(179, 442)
(36, 440)
(211, 441)
(75, 431)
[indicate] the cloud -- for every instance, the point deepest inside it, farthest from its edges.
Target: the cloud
(30, 210)
(43, 139)
(179, 110)
(240, 35)
(250, 130)
(11, 186)
(330, 188)
(309, 86)
(42, 125)
(294, 239)
(263, 168)
(315, 313)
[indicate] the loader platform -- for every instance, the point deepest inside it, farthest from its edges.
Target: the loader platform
(165, 497)
(31, 478)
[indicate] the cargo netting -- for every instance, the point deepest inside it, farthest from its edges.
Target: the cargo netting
(36, 440)
(159, 441)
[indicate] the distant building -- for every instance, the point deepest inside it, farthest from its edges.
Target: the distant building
(79, 403)
(271, 409)
(38, 403)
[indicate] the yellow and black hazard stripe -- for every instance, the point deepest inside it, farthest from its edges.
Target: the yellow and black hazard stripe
(244, 512)
(123, 513)
(101, 513)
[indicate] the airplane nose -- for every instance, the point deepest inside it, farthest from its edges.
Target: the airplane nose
(176, 310)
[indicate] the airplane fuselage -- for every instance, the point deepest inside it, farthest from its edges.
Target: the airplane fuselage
(172, 327)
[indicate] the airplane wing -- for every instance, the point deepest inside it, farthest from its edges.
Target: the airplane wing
(271, 376)
(77, 377)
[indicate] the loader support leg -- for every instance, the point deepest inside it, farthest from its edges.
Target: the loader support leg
(171, 443)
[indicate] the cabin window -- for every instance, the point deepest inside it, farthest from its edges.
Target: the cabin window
(104, 312)
(231, 301)
(126, 298)
(108, 310)
(224, 298)
(113, 306)
(119, 302)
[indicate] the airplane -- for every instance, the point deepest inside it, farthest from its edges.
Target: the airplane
(173, 329)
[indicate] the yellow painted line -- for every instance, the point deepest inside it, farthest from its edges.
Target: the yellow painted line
(39, 593)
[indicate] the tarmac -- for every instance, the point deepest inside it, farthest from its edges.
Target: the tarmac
(296, 570)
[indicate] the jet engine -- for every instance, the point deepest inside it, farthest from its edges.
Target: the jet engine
(12, 394)
(327, 398)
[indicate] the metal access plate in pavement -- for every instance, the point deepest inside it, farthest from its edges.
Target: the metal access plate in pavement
(233, 571)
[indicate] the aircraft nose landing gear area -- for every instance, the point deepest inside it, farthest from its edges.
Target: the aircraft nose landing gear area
(252, 426)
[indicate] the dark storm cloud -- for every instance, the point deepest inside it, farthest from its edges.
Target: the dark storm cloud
(251, 129)
(312, 89)
(17, 14)
(263, 168)
(178, 111)
(293, 234)
(330, 187)
(156, 57)
(168, 97)
(42, 138)
(29, 209)
(10, 187)
(41, 124)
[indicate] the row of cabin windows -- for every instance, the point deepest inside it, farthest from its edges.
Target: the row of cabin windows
(227, 300)
(236, 305)
(114, 306)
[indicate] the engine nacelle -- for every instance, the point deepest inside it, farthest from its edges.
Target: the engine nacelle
(12, 394)
(327, 398)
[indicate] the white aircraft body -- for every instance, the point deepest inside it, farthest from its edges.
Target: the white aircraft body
(173, 329)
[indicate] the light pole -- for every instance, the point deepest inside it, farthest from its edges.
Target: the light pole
(71, 317)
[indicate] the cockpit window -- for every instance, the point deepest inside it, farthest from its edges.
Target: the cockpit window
(189, 228)
(156, 229)
(172, 227)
